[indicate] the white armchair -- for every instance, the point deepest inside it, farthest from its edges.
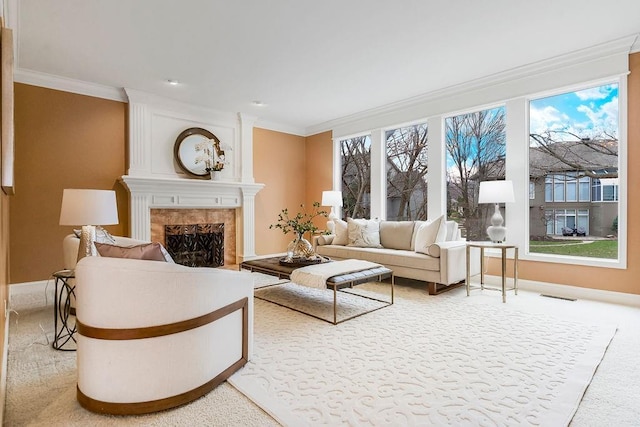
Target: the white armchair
(155, 335)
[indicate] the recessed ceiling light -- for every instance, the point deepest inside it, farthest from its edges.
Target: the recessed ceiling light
(258, 103)
(173, 82)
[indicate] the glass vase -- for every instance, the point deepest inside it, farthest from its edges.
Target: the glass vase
(300, 248)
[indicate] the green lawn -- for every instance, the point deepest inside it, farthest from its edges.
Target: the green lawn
(595, 249)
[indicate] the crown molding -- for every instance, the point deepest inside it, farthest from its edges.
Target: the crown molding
(581, 56)
(635, 47)
(51, 81)
(280, 127)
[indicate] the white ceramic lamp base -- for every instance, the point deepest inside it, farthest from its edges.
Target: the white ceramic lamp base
(496, 231)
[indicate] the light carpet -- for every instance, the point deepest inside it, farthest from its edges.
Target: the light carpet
(445, 360)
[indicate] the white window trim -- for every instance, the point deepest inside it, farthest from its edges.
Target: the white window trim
(593, 66)
(621, 261)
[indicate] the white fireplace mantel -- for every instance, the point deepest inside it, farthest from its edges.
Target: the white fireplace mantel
(182, 193)
(154, 180)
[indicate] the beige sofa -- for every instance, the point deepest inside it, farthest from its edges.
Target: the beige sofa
(441, 264)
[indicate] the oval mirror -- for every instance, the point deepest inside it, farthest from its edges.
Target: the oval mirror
(197, 152)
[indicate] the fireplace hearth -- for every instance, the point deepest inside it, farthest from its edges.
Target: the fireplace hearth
(196, 245)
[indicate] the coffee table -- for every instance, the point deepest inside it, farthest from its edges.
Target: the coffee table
(272, 266)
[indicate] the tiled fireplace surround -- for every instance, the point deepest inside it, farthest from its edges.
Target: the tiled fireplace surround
(162, 217)
(160, 194)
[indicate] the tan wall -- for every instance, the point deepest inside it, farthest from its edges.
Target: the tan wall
(279, 163)
(62, 140)
(295, 170)
(609, 279)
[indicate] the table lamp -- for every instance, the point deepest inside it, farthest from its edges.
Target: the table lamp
(88, 208)
(496, 192)
(333, 199)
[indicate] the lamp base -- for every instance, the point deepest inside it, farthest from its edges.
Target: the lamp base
(87, 237)
(496, 233)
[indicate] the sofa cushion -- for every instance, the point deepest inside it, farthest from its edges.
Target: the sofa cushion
(396, 234)
(430, 233)
(387, 257)
(342, 235)
(364, 233)
(148, 251)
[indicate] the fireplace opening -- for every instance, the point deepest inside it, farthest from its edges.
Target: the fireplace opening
(196, 245)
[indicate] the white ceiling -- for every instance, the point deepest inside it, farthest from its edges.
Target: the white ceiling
(311, 62)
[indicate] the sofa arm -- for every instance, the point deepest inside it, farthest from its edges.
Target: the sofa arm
(453, 262)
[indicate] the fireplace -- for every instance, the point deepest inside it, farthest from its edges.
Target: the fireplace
(196, 245)
(196, 226)
(154, 182)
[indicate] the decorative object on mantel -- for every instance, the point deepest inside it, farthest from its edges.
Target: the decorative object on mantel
(300, 251)
(199, 154)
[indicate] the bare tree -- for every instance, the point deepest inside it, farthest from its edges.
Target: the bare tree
(407, 171)
(355, 155)
(561, 151)
(475, 144)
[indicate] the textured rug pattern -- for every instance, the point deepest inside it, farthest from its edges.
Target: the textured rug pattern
(444, 360)
(319, 302)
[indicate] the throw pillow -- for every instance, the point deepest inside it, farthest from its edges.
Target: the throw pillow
(416, 227)
(364, 233)
(326, 239)
(430, 233)
(342, 236)
(396, 234)
(148, 251)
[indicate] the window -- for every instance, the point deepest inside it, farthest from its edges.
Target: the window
(355, 157)
(532, 190)
(475, 144)
(573, 144)
(407, 173)
(565, 188)
(604, 190)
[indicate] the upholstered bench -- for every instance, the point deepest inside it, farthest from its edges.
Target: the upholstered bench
(348, 273)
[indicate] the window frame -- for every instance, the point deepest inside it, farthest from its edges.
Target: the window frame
(621, 261)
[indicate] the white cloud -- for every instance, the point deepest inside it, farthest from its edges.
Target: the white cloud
(600, 92)
(603, 119)
(547, 118)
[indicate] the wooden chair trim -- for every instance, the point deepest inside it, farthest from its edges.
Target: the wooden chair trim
(161, 330)
(137, 408)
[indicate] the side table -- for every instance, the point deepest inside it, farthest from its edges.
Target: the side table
(503, 248)
(62, 310)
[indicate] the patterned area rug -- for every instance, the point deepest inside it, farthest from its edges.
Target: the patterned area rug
(443, 360)
(319, 302)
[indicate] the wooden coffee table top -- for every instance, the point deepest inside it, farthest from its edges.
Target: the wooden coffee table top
(270, 266)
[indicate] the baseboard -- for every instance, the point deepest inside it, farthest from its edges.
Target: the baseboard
(5, 361)
(567, 291)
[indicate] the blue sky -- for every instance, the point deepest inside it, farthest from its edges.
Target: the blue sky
(587, 112)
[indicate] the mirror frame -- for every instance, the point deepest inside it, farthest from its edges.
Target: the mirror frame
(182, 137)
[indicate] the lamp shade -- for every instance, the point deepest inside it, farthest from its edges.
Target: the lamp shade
(88, 207)
(332, 198)
(496, 192)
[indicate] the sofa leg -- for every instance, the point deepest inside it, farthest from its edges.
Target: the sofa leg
(437, 288)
